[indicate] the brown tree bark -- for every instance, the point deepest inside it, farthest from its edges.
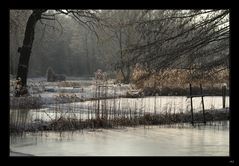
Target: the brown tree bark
(25, 50)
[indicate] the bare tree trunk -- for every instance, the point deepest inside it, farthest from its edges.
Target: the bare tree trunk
(25, 50)
(122, 66)
(127, 74)
(87, 54)
(123, 75)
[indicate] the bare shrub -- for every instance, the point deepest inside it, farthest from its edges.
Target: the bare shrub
(52, 76)
(28, 102)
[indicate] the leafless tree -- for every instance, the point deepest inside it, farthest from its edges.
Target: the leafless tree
(182, 39)
(87, 18)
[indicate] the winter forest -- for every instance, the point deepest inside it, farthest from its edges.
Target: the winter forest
(119, 75)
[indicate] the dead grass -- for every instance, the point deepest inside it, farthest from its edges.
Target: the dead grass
(164, 118)
(28, 102)
(179, 78)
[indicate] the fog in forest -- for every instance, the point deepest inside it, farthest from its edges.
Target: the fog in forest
(118, 41)
(154, 82)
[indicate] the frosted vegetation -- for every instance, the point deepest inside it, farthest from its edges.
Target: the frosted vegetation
(79, 103)
(92, 70)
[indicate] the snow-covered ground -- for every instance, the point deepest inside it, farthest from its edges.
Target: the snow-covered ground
(80, 88)
(64, 97)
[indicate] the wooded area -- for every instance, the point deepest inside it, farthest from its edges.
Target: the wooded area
(81, 81)
(124, 43)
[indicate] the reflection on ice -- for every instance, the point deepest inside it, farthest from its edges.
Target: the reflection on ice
(184, 140)
(139, 141)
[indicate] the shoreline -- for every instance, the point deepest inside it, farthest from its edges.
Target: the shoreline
(13, 154)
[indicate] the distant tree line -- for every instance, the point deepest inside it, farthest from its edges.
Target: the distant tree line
(67, 46)
(157, 40)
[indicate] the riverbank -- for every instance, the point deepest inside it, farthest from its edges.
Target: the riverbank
(74, 108)
(125, 119)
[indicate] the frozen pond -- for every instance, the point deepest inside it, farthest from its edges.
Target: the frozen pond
(139, 141)
(84, 110)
